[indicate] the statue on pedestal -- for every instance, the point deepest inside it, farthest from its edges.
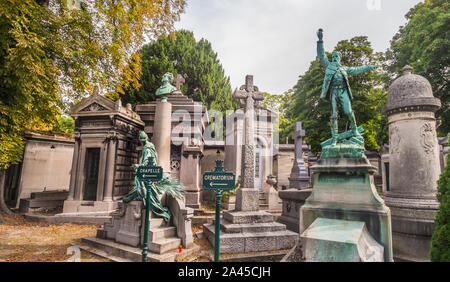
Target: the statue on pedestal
(166, 88)
(336, 89)
(139, 193)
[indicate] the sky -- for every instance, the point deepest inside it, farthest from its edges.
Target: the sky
(275, 40)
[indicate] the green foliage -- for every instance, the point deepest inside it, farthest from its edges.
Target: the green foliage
(424, 43)
(196, 61)
(227, 194)
(52, 54)
(65, 125)
(367, 90)
(280, 104)
(440, 242)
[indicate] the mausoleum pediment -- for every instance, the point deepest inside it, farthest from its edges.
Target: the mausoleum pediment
(94, 103)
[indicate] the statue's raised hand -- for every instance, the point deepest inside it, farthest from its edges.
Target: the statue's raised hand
(320, 34)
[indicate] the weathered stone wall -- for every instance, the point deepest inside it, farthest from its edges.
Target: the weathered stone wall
(282, 165)
(46, 165)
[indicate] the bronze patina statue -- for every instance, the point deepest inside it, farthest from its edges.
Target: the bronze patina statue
(139, 193)
(166, 88)
(336, 89)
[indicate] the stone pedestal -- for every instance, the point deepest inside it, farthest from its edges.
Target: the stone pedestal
(344, 190)
(161, 136)
(247, 199)
(330, 240)
(127, 227)
(243, 232)
(293, 200)
(190, 174)
(414, 165)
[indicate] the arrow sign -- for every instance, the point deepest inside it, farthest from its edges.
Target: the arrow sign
(219, 179)
(149, 173)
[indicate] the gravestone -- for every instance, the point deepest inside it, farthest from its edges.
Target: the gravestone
(414, 165)
(299, 182)
(247, 196)
(299, 175)
(247, 229)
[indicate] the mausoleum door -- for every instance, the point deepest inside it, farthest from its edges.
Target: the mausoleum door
(92, 168)
(258, 166)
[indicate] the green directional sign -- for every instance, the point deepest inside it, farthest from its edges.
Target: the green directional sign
(150, 172)
(219, 179)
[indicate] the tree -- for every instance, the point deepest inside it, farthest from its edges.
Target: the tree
(367, 90)
(205, 79)
(52, 53)
(280, 104)
(424, 43)
(440, 241)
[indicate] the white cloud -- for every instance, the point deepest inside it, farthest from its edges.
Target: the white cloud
(276, 40)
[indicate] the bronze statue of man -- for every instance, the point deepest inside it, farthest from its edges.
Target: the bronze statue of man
(336, 88)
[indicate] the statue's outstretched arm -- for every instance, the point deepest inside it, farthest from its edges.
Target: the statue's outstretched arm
(321, 51)
(359, 70)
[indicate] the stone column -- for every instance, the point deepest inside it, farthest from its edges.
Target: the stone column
(414, 166)
(110, 163)
(73, 172)
(161, 134)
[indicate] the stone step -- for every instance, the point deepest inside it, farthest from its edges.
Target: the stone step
(50, 195)
(200, 220)
(227, 227)
(248, 217)
(162, 233)
(233, 243)
(263, 206)
(127, 253)
(157, 223)
(27, 204)
(164, 245)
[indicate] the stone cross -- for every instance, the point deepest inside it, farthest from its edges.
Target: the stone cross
(249, 95)
(299, 177)
(179, 81)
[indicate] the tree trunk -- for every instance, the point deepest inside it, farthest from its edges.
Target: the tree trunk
(1, 219)
(3, 206)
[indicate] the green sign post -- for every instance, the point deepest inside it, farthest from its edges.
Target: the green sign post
(218, 180)
(148, 174)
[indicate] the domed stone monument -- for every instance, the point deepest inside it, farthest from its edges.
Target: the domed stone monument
(414, 165)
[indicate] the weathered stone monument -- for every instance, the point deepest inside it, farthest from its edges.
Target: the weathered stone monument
(170, 224)
(182, 153)
(344, 219)
(105, 148)
(299, 175)
(264, 148)
(247, 229)
(299, 185)
(414, 166)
